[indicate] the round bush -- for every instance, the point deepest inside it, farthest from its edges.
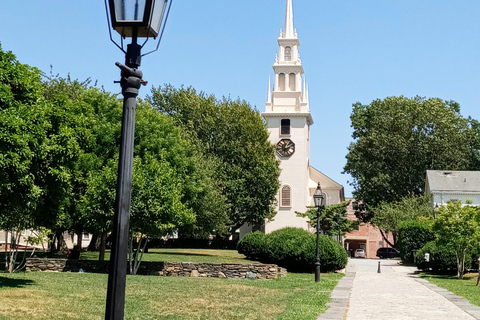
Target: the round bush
(294, 249)
(252, 245)
(441, 258)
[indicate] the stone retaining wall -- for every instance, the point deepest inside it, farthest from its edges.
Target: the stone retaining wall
(223, 270)
(167, 269)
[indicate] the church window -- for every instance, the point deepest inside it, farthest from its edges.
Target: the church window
(288, 54)
(286, 197)
(285, 126)
(292, 81)
(281, 81)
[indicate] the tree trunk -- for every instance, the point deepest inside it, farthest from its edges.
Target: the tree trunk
(79, 241)
(385, 238)
(6, 251)
(103, 241)
(61, 245)
(460, 264)
(94, 243)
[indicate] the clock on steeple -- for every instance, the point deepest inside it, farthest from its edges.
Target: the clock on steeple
(288, 117)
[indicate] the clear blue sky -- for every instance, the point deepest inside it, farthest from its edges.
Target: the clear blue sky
(351, 51)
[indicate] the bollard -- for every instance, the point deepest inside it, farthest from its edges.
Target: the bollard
(379, 271)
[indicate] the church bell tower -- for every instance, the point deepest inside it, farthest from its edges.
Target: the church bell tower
(288, 116)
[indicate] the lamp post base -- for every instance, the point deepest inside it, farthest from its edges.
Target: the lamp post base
(317, 271)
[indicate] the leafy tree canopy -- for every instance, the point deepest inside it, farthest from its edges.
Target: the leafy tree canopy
(234, 138)
(333, 220)
(397, 139)
(389, 216)
(458, 227)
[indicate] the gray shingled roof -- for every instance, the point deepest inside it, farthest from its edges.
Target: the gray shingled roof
(467, 181)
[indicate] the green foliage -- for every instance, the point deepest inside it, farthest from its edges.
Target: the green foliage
(333, 220)
(295, 249)
(234, 138)
(458, 227)
(397, 139)
(442, 258)
(253, 245)
(412, 236)
(388, 216)
(22, 131)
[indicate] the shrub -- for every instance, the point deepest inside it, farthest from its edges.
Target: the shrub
(412, 236)
(442, 258)
(474, 253)
(253, 245)
(294, 249)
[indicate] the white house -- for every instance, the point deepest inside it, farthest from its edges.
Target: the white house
(287, 112)
(447, 185)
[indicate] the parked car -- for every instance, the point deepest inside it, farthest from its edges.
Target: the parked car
(359, 253)
(384, 253)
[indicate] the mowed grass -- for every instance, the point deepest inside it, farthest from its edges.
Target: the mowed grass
(183, 255)
(38, 295)
(464, 288)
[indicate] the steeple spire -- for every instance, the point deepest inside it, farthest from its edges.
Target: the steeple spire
(289, 30)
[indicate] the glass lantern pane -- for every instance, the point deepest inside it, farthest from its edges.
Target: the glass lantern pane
(129, 10)
(157, 15)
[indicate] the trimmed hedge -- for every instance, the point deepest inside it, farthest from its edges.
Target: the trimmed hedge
(294, 249)
(253, 245)
(412, 236)
(441, 258)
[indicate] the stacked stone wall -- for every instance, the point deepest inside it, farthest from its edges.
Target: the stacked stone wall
(223, 270)
(167, 269)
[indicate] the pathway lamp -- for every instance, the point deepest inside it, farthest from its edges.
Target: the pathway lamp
(319, 199)
(131, 19)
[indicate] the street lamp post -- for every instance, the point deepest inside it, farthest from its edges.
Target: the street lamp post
(319, 199)
(133, 19)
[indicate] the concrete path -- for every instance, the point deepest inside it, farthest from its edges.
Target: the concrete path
(395, 293)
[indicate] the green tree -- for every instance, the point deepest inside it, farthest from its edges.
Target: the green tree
(389, 216)
(234, 138)
(22, 130)
(333, 220)
(458, 227)
(397, 139)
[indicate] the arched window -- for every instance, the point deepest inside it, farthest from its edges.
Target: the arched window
(288, 54)
(281, 81)
(286, 197)
(292, 82)
(285, 126)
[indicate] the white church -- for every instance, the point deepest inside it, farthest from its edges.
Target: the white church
(287, 112)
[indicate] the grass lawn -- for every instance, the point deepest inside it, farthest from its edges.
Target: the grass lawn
(38, 295)
(464, 288)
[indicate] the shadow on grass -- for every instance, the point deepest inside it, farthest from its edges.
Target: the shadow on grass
(445, 276)
(14, 283)
(182, 254)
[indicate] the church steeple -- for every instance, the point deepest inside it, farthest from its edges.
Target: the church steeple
(289, 94)
(289, 31)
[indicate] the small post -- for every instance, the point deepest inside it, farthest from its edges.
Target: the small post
(378, 270)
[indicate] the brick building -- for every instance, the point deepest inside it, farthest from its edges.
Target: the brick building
(367, 236)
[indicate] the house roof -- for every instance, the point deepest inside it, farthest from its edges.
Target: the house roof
(447, 180)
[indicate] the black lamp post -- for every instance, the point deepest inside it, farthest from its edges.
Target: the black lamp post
(133, 19)
(319, 198)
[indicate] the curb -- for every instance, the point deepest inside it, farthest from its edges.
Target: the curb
(339, 299)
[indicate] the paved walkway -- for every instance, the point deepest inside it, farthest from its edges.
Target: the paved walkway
(395, 293)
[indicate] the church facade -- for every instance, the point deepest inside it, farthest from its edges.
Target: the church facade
(287, 113)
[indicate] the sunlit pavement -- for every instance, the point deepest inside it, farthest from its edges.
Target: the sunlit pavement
(394, 293)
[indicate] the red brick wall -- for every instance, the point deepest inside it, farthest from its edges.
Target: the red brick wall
(367, 235)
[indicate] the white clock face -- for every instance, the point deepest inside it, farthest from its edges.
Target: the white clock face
(285, 148)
